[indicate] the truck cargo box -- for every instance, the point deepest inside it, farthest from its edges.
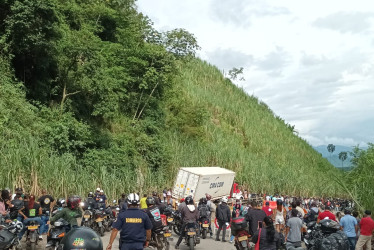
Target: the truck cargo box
(197, 181)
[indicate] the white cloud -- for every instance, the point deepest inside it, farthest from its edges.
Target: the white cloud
(311, 62)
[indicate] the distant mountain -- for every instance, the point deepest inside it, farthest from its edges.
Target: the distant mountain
(334, 157)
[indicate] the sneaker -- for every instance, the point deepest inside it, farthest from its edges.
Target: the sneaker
(218, 240)
(224, 241)
(176, 247)
(231, 241)
(40, 237)
(48, 244)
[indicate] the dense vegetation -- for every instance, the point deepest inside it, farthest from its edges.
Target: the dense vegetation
(91, 95)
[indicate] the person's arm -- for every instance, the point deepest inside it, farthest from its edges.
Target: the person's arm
(148, 234)
(59, 215)
(286, 233)
(255, 237)
(21, 212)
(113, 236)
(40, 211)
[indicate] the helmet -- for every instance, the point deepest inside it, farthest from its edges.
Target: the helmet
(279, 202)
(154, 193)
(150, 201)
(61, 202)
(224, 199)
(203, 201)
(189, 200)
(133, 199)
(90, 194)
(73, 201)
(98, 189)
(81, 238)
(15, 227)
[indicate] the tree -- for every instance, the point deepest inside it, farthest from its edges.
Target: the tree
(343, 156)
(181, 43)
(331, 149)
(234, 73)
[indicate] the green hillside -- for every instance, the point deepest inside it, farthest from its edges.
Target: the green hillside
(92, 95)
(240, 132)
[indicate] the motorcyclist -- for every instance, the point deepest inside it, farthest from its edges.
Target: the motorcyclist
(30, 212)
(157, 198)
(153, 213)
(70, 213)
(46, 201)
(101, 199)
(189, 213)
(81, 238)
(204, 211)
(90, 202)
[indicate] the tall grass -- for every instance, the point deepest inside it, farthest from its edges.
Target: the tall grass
(243, 134)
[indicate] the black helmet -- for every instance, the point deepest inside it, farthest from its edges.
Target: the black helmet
(189, 200)
(279, 202)
(61, 202)
(81, 238)
(73, 201)
(203, 200)
(150, 201)
(90, 194)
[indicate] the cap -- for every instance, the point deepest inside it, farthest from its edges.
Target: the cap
(97, 189)
(101, 191)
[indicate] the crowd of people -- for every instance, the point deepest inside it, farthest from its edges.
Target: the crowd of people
(268, 225)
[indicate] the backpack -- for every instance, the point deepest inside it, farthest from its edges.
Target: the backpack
(204, 211)
(312, 216)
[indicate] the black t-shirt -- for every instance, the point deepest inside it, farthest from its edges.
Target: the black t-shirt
(45, 202)
(33, 212)
(255, 218)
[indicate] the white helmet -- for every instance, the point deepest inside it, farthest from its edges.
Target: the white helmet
(133, 199)
(224, 199)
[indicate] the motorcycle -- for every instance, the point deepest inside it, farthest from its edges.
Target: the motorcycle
(9, 236)
(98, 218)
(160, 238)
(56, 233)
(242, 237)
(177, 222)
(204, 227)
(32, 234)
(88, 214)
(190, 238)
(109, 218)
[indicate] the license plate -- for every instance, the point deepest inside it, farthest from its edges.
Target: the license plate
(99, 219)
(32, 227)
(170, 219)
(191, 233)
(243, 238)
(167, 234)
(86, 216)
(205, 225)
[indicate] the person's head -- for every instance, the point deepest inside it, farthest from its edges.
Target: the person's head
(355, 214)
(101, 192)
(123, 196)
(189, 200)
(267, 204)
(294, 212)
(253, 204)
(327, 207)
(5, 195)
(44, 192)
(133, 200)
(293, 204)
(19, 190)
(73, 202)
(298, 202)
(224, 200)
(150, 201)
(18, 197)
(145, 195)
(90, 194)
(314, 204)
(31, 201)
(154, 194)
(98, 190)
(279, 203)
(367, 213)
(208, 197)
(203, 201)
(81, 238)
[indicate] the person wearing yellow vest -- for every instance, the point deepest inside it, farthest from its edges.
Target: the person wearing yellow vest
(143, 202)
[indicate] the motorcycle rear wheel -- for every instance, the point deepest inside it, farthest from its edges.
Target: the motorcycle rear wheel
(204, 233)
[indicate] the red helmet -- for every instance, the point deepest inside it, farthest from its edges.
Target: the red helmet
(73, 201)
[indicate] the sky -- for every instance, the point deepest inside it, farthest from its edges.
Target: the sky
(311, 61)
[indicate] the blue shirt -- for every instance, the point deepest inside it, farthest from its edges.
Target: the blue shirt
(348, 223)
(133, 224)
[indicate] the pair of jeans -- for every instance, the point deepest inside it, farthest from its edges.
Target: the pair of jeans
(352, 243)
(132, 246)
(44, 226)
(221, 226)
(26, 222)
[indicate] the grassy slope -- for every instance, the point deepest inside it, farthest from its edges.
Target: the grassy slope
(243, 134)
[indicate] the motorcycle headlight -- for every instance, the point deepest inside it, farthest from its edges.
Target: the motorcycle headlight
(81, 204)
(58, 223)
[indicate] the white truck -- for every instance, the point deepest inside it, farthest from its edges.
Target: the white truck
(198, 181)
